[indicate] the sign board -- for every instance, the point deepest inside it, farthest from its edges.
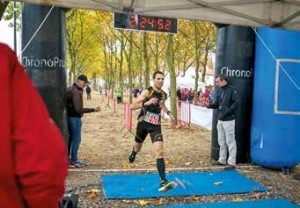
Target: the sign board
(146, 23)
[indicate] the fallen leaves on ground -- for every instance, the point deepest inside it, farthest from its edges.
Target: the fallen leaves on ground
(92, 194)
(158, 202)
(126, 201)
(143, 202)
(188, 163)
(126, 166)
(168, 163)
(195, 198)
(238, 199)
(256, 195)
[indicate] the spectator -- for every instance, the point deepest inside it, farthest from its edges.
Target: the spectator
(88, 91)
(75, 112)
(32, 151)
(199, 93)
(100, 90)
(191, 94)
(226, 102)
(119, 94)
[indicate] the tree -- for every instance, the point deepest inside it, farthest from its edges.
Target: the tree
(128, 55)
(209, 45)
(3, 6)
(81, 45)
(200, 39)
(121, 57)
(122, 44)
(157, 47)
(75, 38)
(146, 59)
(185, 55)
(197, 48)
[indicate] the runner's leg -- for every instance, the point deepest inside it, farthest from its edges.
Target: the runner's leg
(160, 162)
(164, 185)
(157, 139)
(141, 133)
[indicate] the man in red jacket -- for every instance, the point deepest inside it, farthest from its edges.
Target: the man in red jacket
(33, 160)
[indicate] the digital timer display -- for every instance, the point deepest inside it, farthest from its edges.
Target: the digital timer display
(147, 23)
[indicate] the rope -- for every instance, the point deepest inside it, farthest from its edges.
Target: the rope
(37, 30)
(274, 57)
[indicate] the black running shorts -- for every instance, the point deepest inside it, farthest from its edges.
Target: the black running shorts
(142, 130)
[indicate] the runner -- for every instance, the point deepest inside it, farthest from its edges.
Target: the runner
(152, 101)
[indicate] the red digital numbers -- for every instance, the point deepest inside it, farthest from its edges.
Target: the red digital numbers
(155, 24)
(168, 24)
(151, 22)
(143, 22)
(160, 24)
(147, 23)
(132, 21)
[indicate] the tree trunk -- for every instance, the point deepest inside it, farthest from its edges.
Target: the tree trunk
(128, 55)
(106, 76)
(197, 73)
(146, 61)
(121, 62)
(204, 65)
(70, 77)
(197, 58)
(171, 66)
(129, 61)
(110, 68)
(95, 81)
(140, 73)
(156, 53)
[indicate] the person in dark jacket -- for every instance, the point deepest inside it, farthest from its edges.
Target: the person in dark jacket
(75, 112)
(226, 101)
(88, 91)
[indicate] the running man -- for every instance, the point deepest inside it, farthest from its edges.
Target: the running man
(152, 101)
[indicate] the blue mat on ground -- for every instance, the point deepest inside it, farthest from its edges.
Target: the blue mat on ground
(130, 186)
(268, 203)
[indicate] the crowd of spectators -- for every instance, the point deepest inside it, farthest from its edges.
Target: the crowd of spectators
(189, 95)
(183, 94)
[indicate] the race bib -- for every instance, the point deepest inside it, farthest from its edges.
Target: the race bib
(152, 118)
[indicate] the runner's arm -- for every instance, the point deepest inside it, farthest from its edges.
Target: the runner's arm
(166, 110)
(138, 103)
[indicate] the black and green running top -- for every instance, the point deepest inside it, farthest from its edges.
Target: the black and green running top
(161, 96)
